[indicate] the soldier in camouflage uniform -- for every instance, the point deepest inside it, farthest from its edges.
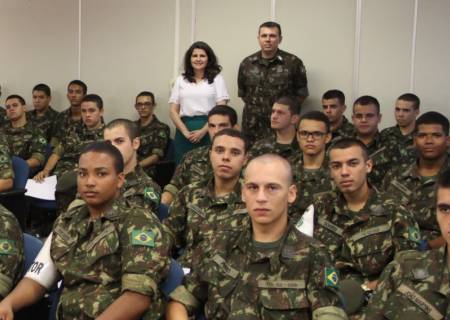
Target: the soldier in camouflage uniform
(401, 135)
(69, 119)
(43, 116)
(266, 75)
(6, 169)
(366, 117)
(284, 120)
(416, 285)
(111, 257)
(267, 269)
(311, 174)
(333, 104)
(154, 134)
(361, 227)
(413, 185)
(200, 208)
(2, 117)
(11, 251)
(25, 140)
(195, 165)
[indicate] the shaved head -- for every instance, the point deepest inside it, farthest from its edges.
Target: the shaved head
(282, 165)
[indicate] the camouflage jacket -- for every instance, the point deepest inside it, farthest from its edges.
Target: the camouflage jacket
(26, 142)
(415, 286)
(404, 143)
(11, 251)
(406, 186)
(45, 123)
(270, 145)
(3, 118)
(363, 242)
(140, 190)
(6, 169)
(261, 81)
(194, 166)
(99, 259)
(240, 279)
(63, 125)
(197, 213)
(346, 130)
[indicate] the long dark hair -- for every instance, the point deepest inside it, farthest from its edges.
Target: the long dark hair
(212, 68)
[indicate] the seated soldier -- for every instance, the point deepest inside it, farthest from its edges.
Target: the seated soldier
(407, 108)
(6, 169)
(24, 139)
(416, 284)
(366, 117)
(65, 155)
(11, 251)
(200, 208)
(413, 185)
(267, 269)
(43, 116)
(361, 227)
(195, 165)
(154, 134)
(111, 257)
(311, 174)
(283, 121)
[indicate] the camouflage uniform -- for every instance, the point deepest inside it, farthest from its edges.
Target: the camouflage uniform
(346, 130)
(70, 147)
(63, 125)
(270, 145)
(11, 251)
(197, 213)
(415, 286)
(141, 191)
(261, 81)
(404, 143)
(194, 166)
(292, 278)
(99, 259)
(45, 123)
(3, 118)
(6, 169)
(26, 142)
(406, 186)
(363, 242)
(154, 139)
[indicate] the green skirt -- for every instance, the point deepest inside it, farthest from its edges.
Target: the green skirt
(183, 145)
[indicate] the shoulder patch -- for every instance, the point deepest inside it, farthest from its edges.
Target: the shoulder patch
(150, 194)
(142, 238)
(414, 234)
(331, 277)
(7, 246)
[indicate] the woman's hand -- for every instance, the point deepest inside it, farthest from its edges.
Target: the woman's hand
(196, 136)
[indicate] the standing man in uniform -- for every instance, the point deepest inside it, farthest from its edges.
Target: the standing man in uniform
(266, 75)
(333, 105)
(43, 116)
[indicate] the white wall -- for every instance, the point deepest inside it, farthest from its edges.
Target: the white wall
(128, 46)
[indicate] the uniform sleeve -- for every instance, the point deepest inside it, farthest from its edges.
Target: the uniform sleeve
(179, 178)
(300, 80)
(405, 231)
(176, 221)
(6, 169)
(145, 253)
(38, 145)
(175, 93)
(241, 81)
(221, 88)
(161, 141)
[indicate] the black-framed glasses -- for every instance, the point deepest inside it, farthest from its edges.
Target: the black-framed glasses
(303, 134)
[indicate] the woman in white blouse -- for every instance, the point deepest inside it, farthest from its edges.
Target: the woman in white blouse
(193, 95)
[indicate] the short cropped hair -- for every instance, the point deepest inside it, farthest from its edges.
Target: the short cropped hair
(147, 94)
(235, 134)
(443, 180)
(78, 83)
(106, 147)
(44, 88)
(130, 127)
(16, 96)
(224, 110)
(317, 116)
(366, 100)
(93, 98)
(291, 102)
(410, 97)
(334, 94)
(346, 143)
(270, 158)
(433, 117)
(270, 24)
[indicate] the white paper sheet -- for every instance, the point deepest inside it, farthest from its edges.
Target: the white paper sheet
(44, 190)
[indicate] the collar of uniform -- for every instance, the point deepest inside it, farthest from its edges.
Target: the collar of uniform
(444, 288)
(412, 170)
(372, 206)
(132, 178)
(229, 199)
(27, 127)
(278, 58)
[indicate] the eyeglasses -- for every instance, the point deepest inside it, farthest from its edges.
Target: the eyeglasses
(303, 134)
(143, 104)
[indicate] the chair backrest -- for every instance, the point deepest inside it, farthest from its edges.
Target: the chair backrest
(170, 151)
(163, 211)
(174, 279)
(21, 172)
(32, 246)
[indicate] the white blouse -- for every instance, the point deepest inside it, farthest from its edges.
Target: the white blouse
(197, 99)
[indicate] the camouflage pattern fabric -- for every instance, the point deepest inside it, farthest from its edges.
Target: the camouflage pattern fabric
(363, 242)
(141, 191)
(3, 118)
(45, 123)
(154, 139)
(195, 166)
(406, 186)
(99, 259)
(346, 130)
(261, 82)
(415, 286)
(11, 251)
(197, 213)
(26, 142)
(294, 279)
(270, 145)
(6, 169)
(63, 125)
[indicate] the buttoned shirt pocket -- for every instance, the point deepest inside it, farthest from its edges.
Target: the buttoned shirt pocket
(62, 243)
(103, 244)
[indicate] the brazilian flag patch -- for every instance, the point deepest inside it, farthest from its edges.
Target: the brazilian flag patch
(331, 277)
(414, 234)
(7, 246)
(150, 194)
(143, 238)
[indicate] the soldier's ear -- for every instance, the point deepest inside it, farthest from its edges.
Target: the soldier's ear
(136, 143)
(292, 193)
(120, 180)
(237, 127)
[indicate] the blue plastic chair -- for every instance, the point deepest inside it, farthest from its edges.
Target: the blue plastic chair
(32, 246)
(163, 211)
(21, 172)
(174, 279)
